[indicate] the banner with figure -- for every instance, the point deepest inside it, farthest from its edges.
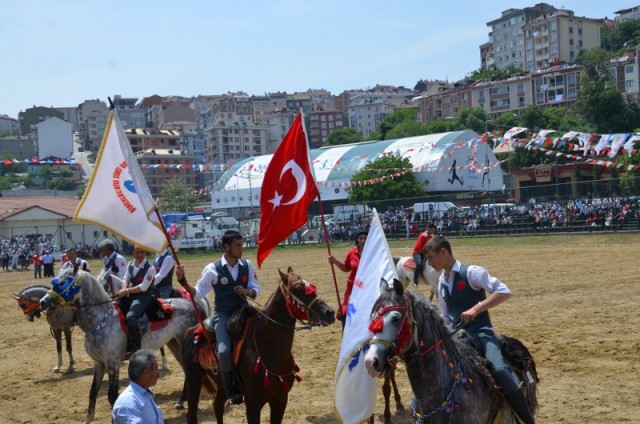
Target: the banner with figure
(117, 197)
(355, 389)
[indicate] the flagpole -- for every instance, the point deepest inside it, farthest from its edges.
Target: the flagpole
(184, 283)
(324, 224)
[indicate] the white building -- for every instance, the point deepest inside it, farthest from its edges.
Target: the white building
(366, 113)
(54, 137)
(450, 162)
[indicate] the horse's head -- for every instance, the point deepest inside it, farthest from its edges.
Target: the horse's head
(65, 290)
(28, 301)
(303, 301)
(109, 281)
(391, 328)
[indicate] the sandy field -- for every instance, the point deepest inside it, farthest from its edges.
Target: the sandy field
(575, 305)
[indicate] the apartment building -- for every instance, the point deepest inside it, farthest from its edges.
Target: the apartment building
(506, 39)
(627, 14)
(92, 119)
(321, 123)
(278, 124)
(130, 114)
(194, 142)
(231, 141)
(625, 71)
(559, 36)
(142, 139)
(8, 124)
(547, 87)
(19, 147)
(367, 112)
(159, 166)
(54, 138)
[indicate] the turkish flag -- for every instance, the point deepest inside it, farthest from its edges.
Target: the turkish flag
(288, 188)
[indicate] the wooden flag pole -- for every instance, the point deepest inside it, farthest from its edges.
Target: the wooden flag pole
(184, 282)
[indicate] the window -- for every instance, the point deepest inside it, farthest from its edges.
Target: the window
(520, 88)
(499, 90)
(628, 69)
(500, 103)
(630, 83)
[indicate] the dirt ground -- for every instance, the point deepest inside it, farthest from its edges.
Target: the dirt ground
(575, 306)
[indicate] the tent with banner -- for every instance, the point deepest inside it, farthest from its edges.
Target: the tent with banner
(457, 161)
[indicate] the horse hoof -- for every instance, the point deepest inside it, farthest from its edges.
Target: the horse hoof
(179, 406)
(56, 369)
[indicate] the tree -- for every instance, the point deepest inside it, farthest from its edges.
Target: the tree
(393, 188)
(602, 104)
(471, 118)
(45, 172)
(390, 121)
(177, 197)
(406, 129)
(343, 136)
(593, 60)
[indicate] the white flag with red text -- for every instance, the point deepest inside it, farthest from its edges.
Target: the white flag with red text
(355, 389)
(117, 197)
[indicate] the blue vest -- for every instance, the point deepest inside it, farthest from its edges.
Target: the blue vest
(166, 281)
(227, 301)
(462, 298)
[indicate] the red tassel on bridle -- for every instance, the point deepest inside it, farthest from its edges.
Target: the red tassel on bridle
(256, 367)
(266, 381)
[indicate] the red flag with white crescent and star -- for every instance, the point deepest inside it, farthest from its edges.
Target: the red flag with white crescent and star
(288, 188)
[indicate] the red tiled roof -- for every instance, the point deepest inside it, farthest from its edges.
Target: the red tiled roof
(10, 206)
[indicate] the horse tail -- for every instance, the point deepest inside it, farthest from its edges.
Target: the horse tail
(517, 354)
(396, 259)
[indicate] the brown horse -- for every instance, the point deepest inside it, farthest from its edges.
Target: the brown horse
(265, 366)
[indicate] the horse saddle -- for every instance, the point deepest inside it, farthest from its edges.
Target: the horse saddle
(236, 322)
(205, 356)
(158, 310)
(144, 322)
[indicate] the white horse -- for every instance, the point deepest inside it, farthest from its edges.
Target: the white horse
(405, 266)
(60, 321)
(106, 342)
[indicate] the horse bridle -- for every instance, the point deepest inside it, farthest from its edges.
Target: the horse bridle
(29, 306)
(403, 338)
(296, 308)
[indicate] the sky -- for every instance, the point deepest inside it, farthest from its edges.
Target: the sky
(60, 53)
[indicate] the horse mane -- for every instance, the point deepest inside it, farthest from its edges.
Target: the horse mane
(455, 346)
(91, 288)
(427, 318)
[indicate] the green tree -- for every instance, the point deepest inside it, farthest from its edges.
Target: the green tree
(45, 172)
(472, 118)
(392, 188)
(593, 60)
(392, 120)
(602, 104)
(406, 129)
(59, 183)
(343, 136)
(177, 197)
(66, 173)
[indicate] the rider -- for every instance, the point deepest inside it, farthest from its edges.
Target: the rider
(113, 261)
(350, 264)
(163, 282)
(418, 253)
(135, 287)
(232, 279)
(462, 297)
(73, 262)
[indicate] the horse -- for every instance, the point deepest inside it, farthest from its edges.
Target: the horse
(112, 284)
(105, 338)
(60, 321)
(450, 382)
(405, 266)
(265, 366)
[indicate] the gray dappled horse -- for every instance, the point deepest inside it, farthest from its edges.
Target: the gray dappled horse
(449, 380)
(106, 342)
(61, 320)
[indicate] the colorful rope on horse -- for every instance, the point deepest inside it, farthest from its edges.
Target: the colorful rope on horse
(267, 381)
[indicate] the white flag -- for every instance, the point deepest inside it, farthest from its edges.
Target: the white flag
(355, 389)
(117, 197)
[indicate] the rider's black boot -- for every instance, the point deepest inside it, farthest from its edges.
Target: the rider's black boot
(520, 406)
(134, 341)
(233, 392)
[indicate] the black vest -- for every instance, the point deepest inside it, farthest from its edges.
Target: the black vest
(138, 278)
(168, 280)
(110, 264)
(462, 298)
(227, 300)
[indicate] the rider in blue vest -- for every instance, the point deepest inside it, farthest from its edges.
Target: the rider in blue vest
(135, 290)
(462, 294)
(232, 279)
(163, 281)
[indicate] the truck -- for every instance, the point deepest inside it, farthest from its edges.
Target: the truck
(192, 231)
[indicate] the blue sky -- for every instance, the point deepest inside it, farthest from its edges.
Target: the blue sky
(59, 53)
